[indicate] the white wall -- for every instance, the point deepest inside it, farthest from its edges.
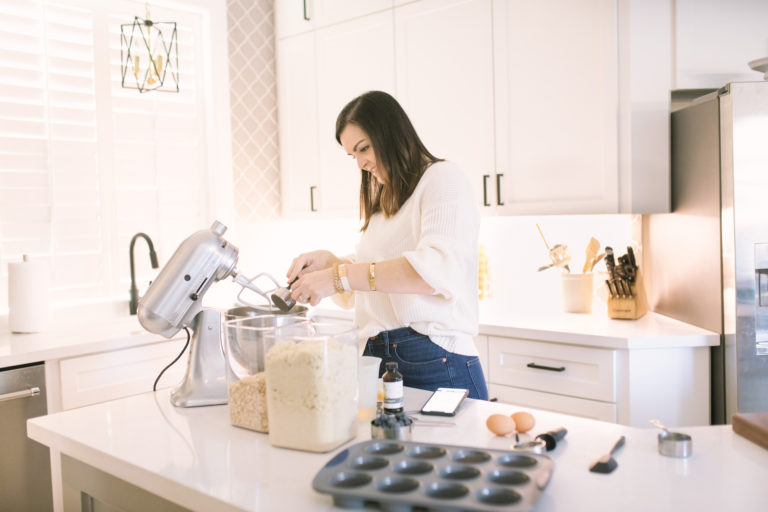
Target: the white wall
(513, 244)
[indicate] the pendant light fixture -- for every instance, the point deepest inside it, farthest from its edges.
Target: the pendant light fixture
(149, 55)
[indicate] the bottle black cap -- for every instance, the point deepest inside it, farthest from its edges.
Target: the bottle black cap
(392, 365)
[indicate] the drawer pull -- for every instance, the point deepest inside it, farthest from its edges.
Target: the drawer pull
(549, 368)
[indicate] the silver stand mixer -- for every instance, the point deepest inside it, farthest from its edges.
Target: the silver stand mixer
(174, 301)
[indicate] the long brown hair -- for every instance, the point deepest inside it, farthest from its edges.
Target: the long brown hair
(397, 147)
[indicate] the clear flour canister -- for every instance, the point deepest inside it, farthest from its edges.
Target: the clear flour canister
(247, 338)
(311, 376)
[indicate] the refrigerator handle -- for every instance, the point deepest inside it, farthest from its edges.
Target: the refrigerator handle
(760, 294)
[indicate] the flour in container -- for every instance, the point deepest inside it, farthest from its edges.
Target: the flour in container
(312, 394)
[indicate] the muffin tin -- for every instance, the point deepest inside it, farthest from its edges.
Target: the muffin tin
(400, 476)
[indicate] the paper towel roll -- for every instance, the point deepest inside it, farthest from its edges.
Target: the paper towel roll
(28, 295)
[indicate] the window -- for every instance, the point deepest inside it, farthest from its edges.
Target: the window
(84, 163)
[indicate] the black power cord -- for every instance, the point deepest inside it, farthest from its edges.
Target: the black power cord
(154, 386)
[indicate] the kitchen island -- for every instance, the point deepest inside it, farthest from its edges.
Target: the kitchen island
(132, 451)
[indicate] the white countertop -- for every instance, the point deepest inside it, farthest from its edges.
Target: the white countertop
(195, 458)
(549, 323)
(97, 335)
(595, 329)
(104, 331)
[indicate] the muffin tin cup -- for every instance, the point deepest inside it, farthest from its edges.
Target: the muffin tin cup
(400, 476)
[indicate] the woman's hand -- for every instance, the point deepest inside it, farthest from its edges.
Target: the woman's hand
(312, 287)
(310, 262)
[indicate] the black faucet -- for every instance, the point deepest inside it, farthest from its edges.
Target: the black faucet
(134, 305)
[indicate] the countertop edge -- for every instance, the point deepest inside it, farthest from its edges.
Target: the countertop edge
(105, 344)
(692, 340)
(638, 335)
(138, 476)
(654, 331)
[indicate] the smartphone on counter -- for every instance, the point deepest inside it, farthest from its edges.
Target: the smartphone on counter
(444, 401)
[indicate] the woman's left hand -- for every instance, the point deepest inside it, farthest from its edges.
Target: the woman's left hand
(313, 287)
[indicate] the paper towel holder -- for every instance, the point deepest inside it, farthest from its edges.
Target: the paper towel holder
(28, 289)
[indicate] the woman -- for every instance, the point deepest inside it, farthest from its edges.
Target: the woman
(414, 274)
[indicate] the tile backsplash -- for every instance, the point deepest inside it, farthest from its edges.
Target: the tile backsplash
(253, 101)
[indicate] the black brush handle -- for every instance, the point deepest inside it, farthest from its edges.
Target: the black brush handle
(551, 437)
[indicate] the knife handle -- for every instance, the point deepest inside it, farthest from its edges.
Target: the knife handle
(631, 255)
(610, 263)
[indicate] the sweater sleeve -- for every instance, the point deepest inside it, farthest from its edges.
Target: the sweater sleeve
(446, 253)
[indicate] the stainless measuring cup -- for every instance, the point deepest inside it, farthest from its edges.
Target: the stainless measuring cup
(673, 444)
(282, 297)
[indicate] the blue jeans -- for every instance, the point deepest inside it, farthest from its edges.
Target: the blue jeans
(425, 365)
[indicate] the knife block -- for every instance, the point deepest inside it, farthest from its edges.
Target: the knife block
(630, 308)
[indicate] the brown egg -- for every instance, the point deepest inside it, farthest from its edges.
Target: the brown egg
(524, 421)
(500, 424)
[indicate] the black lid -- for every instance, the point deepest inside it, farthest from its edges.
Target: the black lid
(392, 365)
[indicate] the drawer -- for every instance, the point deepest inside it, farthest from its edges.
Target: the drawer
(106, 376)
(570, 370)
(556, 403)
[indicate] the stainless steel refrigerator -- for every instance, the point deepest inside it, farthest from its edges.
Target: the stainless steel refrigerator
(707, 261)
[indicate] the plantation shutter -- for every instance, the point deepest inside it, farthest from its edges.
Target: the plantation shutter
(84, 163)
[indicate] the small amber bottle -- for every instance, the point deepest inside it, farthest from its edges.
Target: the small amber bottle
(393, 389)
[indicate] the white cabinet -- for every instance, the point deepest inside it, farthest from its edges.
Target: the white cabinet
(293, 17)
(645, 81)
(296, 16)
(106, 376)
(622, 386)
(551, 107)
(318, 73)
(573, 379)
(716, 40)
(444, 55)
(297, 119)
(556, 106)
(329, 12)
(346, 69)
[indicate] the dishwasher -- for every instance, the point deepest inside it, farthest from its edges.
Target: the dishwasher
(25, 472)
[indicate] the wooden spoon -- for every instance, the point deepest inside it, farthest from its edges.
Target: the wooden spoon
(596, 260)
(592, 247)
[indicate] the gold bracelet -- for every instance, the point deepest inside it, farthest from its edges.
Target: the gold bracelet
(337, 280)
(372, 276)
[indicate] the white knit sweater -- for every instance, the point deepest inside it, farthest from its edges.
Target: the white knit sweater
(436, 230)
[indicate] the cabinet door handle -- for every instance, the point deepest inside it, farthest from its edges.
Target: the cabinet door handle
(543, 367)
(306, 17)
(312, 198)
(485, 190)
(498, 190)
(20, 394)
